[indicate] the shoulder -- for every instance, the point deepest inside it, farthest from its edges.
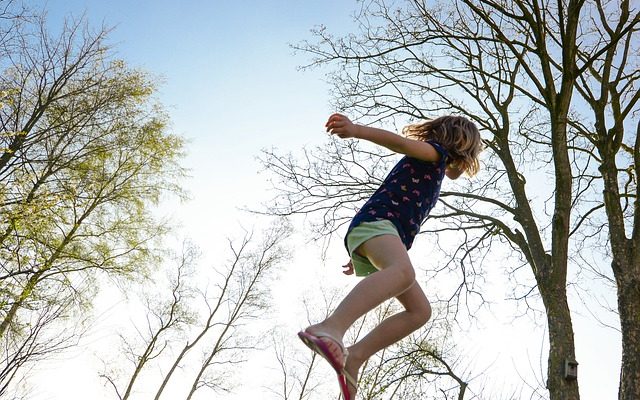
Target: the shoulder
(432, 153)
(443, 153)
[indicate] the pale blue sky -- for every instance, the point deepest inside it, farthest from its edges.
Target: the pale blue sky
(231, 84)
(232, 87)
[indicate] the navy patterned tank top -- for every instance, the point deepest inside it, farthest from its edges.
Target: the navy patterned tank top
(406, 196)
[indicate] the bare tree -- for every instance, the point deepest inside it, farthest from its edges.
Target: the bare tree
(298, 381)
(513, 68)
(297, 365)
(220, 335)
(46, 334)
(246, 298)
(424, 366)
(608, 85)
(166, 317)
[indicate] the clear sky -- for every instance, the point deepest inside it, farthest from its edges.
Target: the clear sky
(230, 78)
(232, 87)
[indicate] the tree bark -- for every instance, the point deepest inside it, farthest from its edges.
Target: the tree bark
(561, 337)
(553, 285)
(629, 309)
(625, 263)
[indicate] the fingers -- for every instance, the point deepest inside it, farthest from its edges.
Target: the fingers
(335, 127)
(348, 268)
(336, 118)
(331, 122)
(336, 124)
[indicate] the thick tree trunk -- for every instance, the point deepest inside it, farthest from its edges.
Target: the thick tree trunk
(628, 284)
(625, 265)
(561, 341)
(553, 280)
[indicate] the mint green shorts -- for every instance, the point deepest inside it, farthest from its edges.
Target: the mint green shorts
(362, 233)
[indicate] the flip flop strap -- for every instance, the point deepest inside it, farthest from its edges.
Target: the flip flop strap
(343, 349)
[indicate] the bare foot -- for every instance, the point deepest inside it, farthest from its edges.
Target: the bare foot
(332, 339)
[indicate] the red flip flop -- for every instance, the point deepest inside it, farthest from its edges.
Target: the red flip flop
(314, 342)
(345, 379)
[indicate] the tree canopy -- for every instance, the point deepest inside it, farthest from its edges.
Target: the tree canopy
(85, 153)
(553, 87)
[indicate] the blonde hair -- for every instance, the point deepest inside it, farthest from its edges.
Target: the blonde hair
(459, 136)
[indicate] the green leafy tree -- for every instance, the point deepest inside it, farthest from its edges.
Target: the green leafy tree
(84, 154)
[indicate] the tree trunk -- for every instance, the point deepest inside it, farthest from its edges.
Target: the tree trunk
(553, 285)
(625, 263)
(561, 340)
(628, 283)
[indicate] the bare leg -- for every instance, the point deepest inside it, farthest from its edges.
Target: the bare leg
(396, 275)
(396, 278)
(391, 330)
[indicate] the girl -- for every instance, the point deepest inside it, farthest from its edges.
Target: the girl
(383, 230)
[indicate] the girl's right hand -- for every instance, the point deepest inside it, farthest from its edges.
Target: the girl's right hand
(342, 126)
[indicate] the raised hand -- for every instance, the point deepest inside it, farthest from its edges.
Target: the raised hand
(342, 126)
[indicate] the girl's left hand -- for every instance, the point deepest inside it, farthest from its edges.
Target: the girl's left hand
(342, 126)
(348, 268)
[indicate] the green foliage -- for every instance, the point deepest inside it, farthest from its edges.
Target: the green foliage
(85, 154)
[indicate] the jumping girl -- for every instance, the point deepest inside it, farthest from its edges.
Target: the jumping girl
(382, 232)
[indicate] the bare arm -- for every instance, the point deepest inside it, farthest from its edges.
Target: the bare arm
(343, 127)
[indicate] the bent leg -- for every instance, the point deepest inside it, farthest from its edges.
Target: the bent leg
(391, 330)
(395, 276)
(417, 312)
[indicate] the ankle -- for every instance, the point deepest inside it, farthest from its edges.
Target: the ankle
(326, 327)
(356, 356)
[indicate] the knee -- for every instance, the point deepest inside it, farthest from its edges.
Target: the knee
(422, 314)
(426, 315)
(406, 275)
